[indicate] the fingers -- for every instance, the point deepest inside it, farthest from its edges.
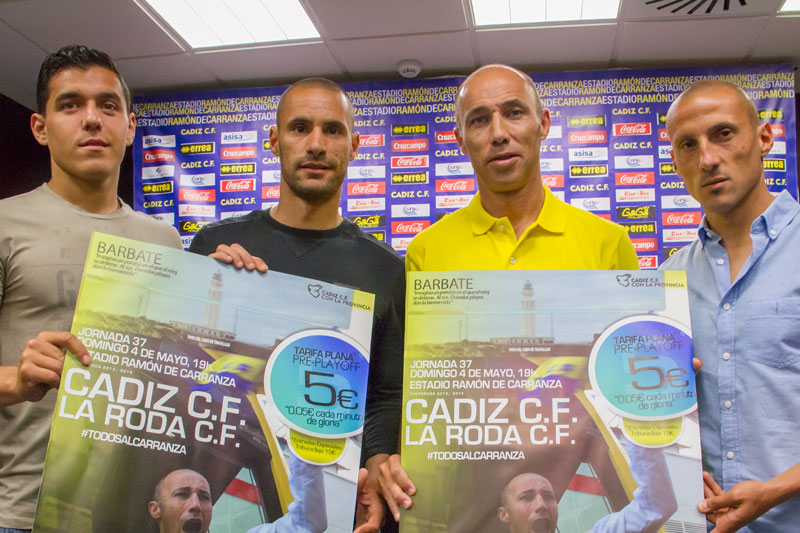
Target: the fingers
(362, 479)
(697, 364)
(397, 488)
(42, 361)
(237, 256)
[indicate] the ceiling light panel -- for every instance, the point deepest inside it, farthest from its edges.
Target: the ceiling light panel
(219, 23)
(790, 5)
(494, 13)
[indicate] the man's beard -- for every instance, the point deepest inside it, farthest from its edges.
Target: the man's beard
(314, 195)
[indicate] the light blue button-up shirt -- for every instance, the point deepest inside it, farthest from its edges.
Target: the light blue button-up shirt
(747, 333)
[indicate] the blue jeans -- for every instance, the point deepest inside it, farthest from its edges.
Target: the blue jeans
(12, 530)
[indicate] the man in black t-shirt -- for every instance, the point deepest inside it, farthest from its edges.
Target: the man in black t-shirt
(306, 236)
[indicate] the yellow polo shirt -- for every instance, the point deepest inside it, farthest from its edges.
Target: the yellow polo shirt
(562, 238)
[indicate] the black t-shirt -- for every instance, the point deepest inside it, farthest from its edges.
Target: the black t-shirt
(346, 256)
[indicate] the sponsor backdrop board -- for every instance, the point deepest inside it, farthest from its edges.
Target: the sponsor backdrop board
(575, 386)
(204, 156)
(255, 383)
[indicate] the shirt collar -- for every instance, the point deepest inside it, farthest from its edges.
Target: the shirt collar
(551, 217)
(774, 219)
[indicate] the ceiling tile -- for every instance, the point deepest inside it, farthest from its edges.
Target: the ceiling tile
(119, 28)
(343, 19)
(436, 52)
(780, 39)
(272, 63)
(178, 70)
(549, 45)
(689, 40)
(19, 70)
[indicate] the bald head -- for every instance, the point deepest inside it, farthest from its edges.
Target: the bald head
(529, 505)
(707, 87)
(489, 72)
(316, 83)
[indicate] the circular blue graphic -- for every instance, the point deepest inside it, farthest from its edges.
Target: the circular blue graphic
(317, 381)
(642, 367)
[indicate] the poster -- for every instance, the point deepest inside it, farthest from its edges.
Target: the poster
(202, 156)
(216, 399)
(536, 400)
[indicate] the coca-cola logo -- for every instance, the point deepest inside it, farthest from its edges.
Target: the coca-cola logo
(662, 135)
(375, 139)
(368, 187)
(648, 261)
(635, 178)
(460, 185)
(553, 180)
(237, 185)
(190, 195)
(410, 161)
(632, 128)
(684, 218)
(409, 227)
(778, 130)
(271, 192)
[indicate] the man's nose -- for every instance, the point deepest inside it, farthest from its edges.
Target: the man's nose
(91, 116)
(316, 141)
(194, 501)
(709, 158)
(498, 129)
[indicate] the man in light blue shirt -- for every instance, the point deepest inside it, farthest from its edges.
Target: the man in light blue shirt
(744, 286)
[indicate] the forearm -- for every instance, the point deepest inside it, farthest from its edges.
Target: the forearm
(9, 393)
(783, 486)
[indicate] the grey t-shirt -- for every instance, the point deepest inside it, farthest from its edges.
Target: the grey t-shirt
(43, 245)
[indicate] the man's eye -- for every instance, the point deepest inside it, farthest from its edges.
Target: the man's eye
(515, 113)
(110, 106)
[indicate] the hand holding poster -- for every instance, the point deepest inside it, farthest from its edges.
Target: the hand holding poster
(216, 399)
(550, 400)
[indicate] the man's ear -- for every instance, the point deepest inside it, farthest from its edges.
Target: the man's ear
(502, 514)
(766, 137)
(39, 128)
(155, 509)
(131, 129)
(273, 140)
(355, 142)
(460, 142)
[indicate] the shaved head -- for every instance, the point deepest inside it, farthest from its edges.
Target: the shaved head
(705, 86)
(475, 77)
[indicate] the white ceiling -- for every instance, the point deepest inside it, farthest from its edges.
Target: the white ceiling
(365, 39)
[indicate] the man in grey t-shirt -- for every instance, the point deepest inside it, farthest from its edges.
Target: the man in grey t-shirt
(84, 118)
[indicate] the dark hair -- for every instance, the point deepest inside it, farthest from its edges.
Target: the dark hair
(75, 56)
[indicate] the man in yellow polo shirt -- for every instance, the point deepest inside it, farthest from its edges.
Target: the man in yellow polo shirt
(514, 222)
